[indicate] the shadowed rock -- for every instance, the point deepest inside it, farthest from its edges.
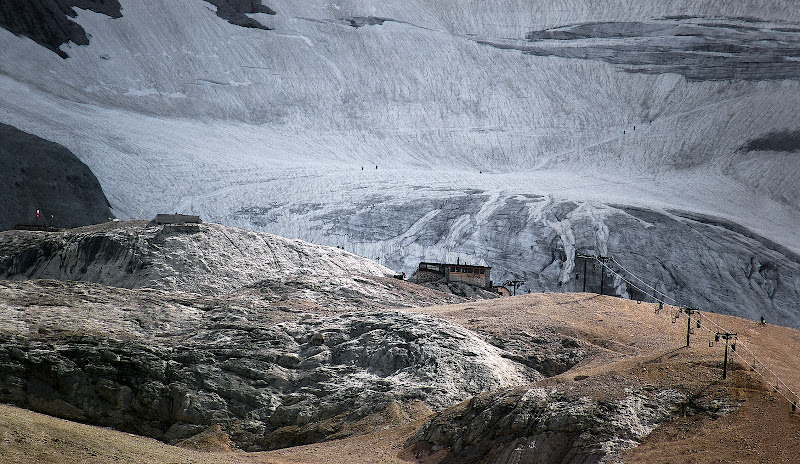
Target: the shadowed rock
(540, 426)
(235, 12)
(41, 175)
(48, 23)
(361, 21)
(698, 50)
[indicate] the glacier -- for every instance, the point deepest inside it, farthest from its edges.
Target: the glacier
(510, 134)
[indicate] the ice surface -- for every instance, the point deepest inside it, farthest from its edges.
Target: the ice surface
(175, 109)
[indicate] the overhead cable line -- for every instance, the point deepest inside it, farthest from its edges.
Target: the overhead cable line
(675, 302)
(721, 330)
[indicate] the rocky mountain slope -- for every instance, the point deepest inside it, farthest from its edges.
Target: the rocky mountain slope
(170, 365)
(257, 346)
(319, 353)
(38, 175)
(213, 260)
(232, 371)
(204, 258)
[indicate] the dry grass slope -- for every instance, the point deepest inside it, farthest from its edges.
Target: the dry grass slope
(634, 346)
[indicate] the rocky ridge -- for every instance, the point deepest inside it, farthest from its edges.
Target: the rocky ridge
(538, 425)
(266, 366)
(208, 258)
(48, 23)
(270, 379)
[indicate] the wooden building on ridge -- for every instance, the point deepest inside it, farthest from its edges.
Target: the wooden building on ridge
(471, 274)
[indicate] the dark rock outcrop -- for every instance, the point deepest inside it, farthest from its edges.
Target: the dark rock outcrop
(540, 426)
(48, 23)
(741, 49)
(780, 141)
(461, 289)
(45, 176)
(361, 21)
(235, 12)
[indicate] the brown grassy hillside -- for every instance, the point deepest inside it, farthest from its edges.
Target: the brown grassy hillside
(631, 345)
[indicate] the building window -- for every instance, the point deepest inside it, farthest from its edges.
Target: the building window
(482, 271)
(452, 269)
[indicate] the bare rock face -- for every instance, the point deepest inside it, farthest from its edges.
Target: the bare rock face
(41, 175)
(210, 259)
(266, 385)
(48, 23)
(461, 289)
(235, 12)
(537, 426)
(235, 352)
